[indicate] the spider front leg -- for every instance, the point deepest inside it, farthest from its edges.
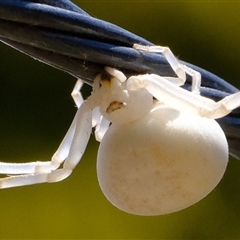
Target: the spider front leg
(183, 100)
(76, 93)
(70, 152)
(180, 69)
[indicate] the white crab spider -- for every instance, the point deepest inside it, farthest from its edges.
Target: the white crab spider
(157, 157)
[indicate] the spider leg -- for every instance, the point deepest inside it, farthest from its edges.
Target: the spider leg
(26, 168)
(180, 69)
(96, 116)
(172, 95)
(223, 107)
(196, 79)
(70, 152)
(42, 166)
(173, 61)
(116, 73)
(79, 143)
(76, 94)
(35, 172)
(101, 128)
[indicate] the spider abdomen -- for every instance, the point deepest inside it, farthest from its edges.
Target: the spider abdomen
(162, 163)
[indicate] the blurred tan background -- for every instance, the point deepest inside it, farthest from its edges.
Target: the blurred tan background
(36, 110)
